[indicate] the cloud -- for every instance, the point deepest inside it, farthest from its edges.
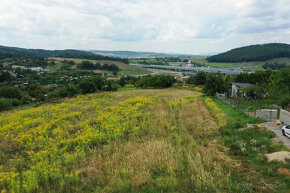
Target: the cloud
(190, 26)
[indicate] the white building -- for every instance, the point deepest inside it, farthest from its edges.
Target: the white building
(238, 87)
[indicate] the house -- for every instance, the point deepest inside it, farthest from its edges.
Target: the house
(17, 66)
(99, 72)
(238, 87)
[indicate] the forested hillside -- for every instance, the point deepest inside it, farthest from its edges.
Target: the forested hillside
(253, 53)
(13, 52)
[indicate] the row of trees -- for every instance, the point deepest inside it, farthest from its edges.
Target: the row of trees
(87, 65)
(161, 81)
(11, 96)
(267, 84)
(274, 66)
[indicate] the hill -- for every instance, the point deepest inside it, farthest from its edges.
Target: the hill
(14, 52)
(253, 53)
(132, 54)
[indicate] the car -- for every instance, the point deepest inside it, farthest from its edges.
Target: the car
(286, 130)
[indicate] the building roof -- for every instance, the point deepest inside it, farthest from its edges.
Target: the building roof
(242, 85)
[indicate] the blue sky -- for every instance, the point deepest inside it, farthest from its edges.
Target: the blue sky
(177, 26)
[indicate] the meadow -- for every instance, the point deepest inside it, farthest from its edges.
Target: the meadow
(248, 65)
(165, 140)
(125, 69)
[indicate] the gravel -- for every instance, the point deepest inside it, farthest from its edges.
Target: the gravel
(277, 130)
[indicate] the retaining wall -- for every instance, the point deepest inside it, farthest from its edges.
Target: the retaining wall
(267, 114)
(285, 116)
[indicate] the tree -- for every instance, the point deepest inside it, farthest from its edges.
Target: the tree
(10, 92)
(5, 104)
(214, 83)
(87, 86)
(198, 79)
(279, 83)
(255, 92)
(5, 76)
(36, 91)
(161, 81)
(86, 65)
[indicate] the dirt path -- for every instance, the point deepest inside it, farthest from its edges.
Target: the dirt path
(277, 130)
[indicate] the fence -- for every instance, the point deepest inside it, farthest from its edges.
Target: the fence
(249, 110)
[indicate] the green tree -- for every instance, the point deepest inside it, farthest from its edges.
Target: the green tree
(214, 83)
(10, 92)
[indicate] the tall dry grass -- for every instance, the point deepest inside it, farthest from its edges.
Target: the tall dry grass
(174, 152)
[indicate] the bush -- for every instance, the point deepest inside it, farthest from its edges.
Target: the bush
(197, 79)
(285, 101)
(214, 83)
(87, 86)
(161, 81)
(5, 104)
(10, 92)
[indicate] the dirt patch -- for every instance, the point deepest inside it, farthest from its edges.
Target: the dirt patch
(277, 130)
(284, 171)
(279, 156)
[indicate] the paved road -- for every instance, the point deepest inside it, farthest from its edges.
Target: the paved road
(278, 131)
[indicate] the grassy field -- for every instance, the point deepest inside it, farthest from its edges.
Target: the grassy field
(248, 65)
(125, 69)
(127, 141)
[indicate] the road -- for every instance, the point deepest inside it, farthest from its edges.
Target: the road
(277, 129)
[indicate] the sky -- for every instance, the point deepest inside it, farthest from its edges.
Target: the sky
(169, 26)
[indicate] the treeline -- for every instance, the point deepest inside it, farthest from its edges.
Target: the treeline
(267, 84)
(253, 53)
(274, 66)
(157, 61)
(161, 81)
(87, 65)
(12, 96)
(92, 56)
(12, 52)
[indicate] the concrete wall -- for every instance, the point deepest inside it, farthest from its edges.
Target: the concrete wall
(285, 116)
(267, 114)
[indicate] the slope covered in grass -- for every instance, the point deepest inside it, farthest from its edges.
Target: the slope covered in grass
(127, 141)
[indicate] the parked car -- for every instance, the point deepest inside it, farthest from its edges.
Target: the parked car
(286, 130)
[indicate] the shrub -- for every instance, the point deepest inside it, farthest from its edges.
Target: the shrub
(285, 101)
(161, 81)
(10, 92)
(5, 104)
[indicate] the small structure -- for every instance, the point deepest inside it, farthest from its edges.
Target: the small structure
(17, 66)
(99, 72)
(285, 116)
(267, 114)
(238, 87)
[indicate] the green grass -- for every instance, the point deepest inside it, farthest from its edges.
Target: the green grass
(253, 105)
(125, 69)
(131, 70)
(248, 65)
(249, 146)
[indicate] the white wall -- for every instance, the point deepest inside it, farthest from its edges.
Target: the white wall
(285, 116)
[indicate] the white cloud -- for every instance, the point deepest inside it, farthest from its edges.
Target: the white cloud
(189, 26)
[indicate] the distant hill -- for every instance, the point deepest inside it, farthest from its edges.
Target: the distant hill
(133, 54)
(261, 52)
(13, 52)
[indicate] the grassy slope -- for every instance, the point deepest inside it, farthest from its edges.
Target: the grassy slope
(249, 145)
(167, 142)
(125, 69)
(249, 65)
